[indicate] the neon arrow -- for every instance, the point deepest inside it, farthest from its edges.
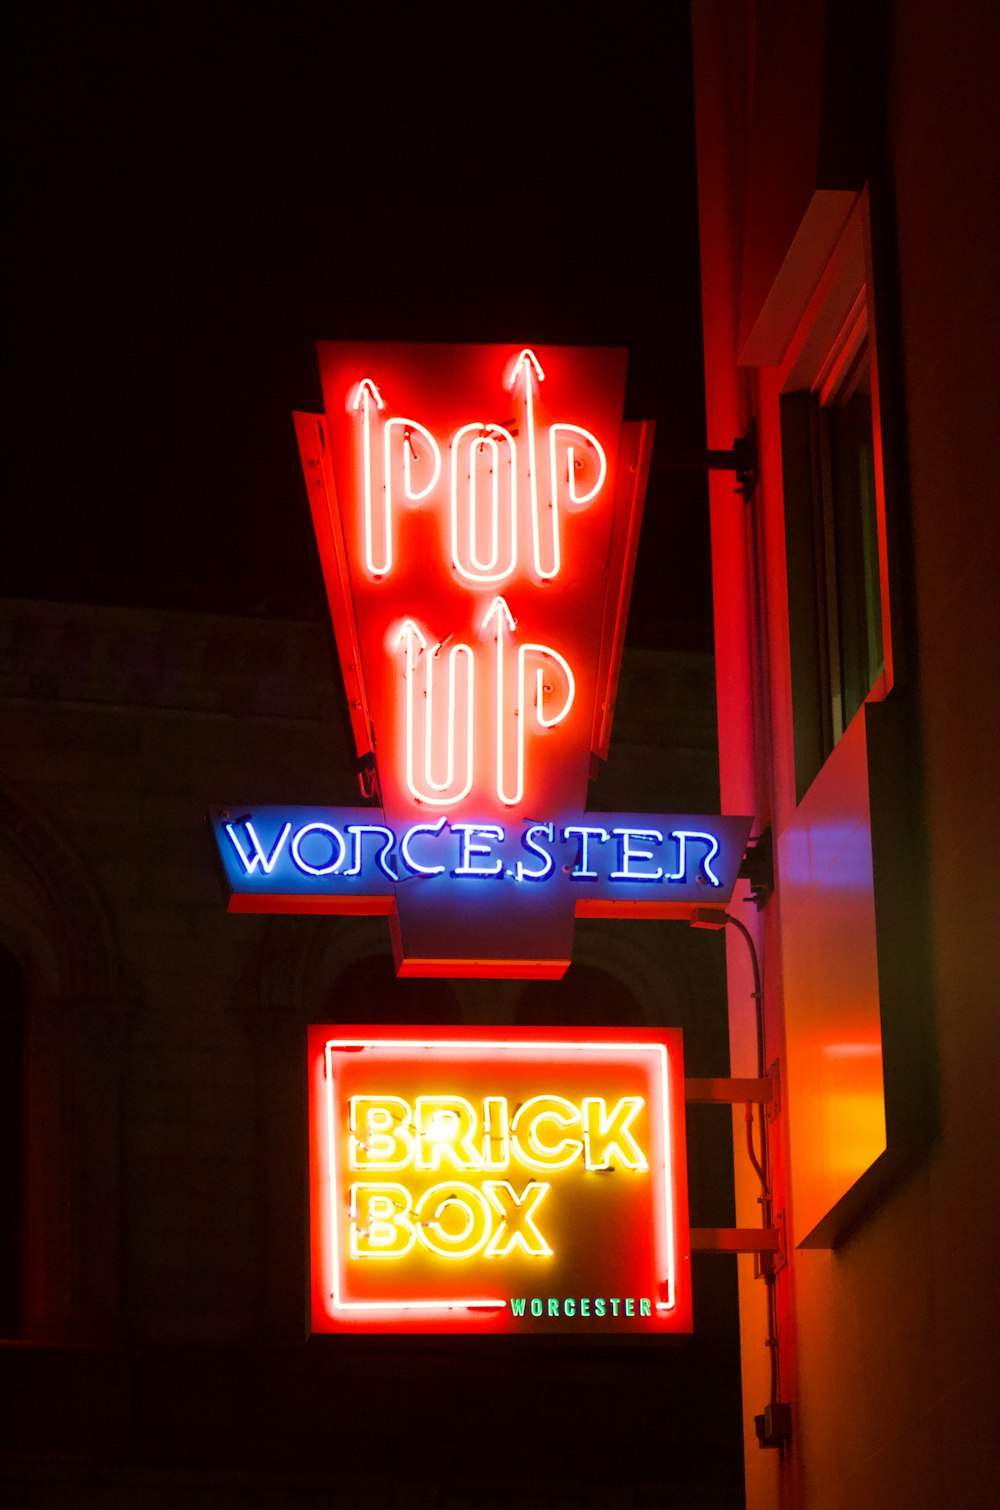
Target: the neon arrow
(368, 388)
(414, 643)
(527, 363)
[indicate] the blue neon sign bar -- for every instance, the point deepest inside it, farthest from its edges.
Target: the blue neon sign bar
(348, 854)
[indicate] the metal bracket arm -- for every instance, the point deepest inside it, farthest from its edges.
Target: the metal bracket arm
(735, 1240)
(729, 1092)
(758, 868)
(741, 458)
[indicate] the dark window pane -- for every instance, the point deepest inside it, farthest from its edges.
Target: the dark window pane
(852, 469)
(831, 538)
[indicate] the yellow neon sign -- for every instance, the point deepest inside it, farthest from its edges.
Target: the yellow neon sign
(459, 1175)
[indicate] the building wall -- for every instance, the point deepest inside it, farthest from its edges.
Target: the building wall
(162, 1355)
(888, 1316)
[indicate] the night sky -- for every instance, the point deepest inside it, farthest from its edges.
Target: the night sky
(196, 203)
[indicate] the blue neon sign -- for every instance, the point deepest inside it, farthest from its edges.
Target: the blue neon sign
(349, 853)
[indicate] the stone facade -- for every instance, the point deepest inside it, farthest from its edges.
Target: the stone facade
(162, 1354)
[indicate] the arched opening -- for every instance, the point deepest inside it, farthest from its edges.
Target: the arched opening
(368, 990)
(61, 1010)
(585, 997)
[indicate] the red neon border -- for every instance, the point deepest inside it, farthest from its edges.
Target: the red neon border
(669, 1214)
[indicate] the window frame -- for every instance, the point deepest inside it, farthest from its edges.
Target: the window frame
(835, 331)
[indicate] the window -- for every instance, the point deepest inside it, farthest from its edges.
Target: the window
(833, 534)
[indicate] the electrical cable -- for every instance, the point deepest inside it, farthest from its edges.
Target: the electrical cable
(762, 1165)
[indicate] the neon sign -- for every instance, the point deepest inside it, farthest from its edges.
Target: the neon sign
(530, 1180)
(477, 512)
(339, 852)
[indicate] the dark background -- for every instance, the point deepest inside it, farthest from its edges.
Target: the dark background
(198, 198)
(195, 201)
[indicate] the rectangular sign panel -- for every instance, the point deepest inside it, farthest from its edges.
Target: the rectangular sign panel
(491, 1180)
(344, 857)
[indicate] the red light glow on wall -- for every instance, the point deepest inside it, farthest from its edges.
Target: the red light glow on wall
(490, 1181)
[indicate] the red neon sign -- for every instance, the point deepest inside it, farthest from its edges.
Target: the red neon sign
(497, 1180)
(474, 546)
(477, 512)
(477, 530)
